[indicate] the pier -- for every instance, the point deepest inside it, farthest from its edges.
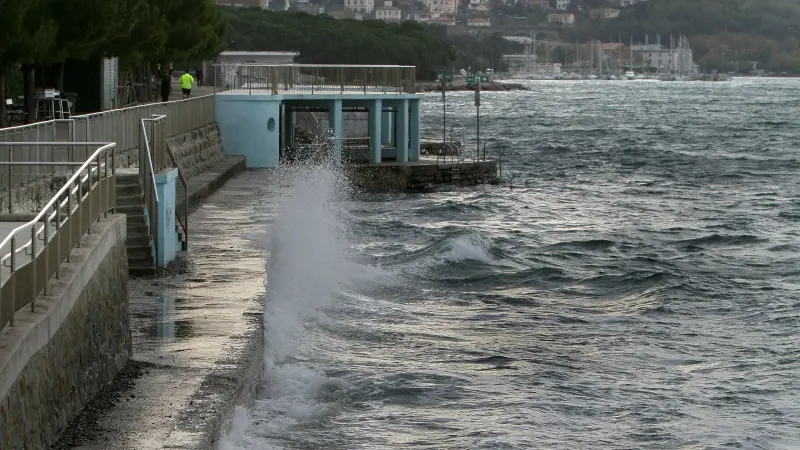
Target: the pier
(90, 201)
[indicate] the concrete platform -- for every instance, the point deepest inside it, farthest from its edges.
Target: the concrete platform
(199, 187)
(197, 335)
(418, 176)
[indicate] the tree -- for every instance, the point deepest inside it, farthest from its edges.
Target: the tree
(27, 38)
(195, 29)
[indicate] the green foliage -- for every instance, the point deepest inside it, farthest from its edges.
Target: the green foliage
(725, 34)
(195, 29)
(48, 31)
(484, 52)
(324, 40)
(28, 32)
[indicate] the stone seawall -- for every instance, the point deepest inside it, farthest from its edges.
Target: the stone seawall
(198, 150)
(420, 177)
(54, 361)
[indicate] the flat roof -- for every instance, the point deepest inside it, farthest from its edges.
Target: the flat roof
(259, 54)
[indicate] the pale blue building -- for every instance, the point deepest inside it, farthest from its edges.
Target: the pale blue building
(257, 104)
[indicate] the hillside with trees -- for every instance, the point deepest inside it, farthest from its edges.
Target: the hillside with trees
(725, 35)
(321, 39)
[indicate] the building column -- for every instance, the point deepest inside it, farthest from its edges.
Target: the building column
(413, 129)
(336, 123)
(375, 112)
(386, 127)
(401, 130)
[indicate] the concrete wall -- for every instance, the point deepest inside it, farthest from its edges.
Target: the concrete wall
(54, 361)
(396, 178)
(250, 126)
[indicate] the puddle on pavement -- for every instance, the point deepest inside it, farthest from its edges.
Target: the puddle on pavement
(165, 323)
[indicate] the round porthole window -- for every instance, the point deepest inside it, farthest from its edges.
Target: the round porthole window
(271, 124)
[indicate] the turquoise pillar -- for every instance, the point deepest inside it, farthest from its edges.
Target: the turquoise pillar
(386, 126)
(375, 112)
(169, 244)
(401, 130)
(413, 129)
(336, 122)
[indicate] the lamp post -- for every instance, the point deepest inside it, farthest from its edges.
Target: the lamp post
(444, 80)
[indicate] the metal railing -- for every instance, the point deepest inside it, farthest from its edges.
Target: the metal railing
(48, 239)
(442, 155)
(184, 223)
(43, 133)
(147, 177)
(314, 78)
(122, 125)
(499, 154)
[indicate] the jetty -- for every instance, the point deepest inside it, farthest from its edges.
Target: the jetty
(118, 328)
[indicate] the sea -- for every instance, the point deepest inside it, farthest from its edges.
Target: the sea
(634, 282)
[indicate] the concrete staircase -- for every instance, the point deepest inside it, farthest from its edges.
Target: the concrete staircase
(130, 201)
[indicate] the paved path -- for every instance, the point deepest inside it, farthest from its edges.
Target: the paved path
(189, 330)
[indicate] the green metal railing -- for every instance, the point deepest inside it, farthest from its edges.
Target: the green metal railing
(48, 239)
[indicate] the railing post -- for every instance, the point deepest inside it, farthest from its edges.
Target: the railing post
(97, 158)
(105, 176)
(79, 199)
(10, 159)
(69, 217)
(11, 273)
(33, 264)
(44, 246)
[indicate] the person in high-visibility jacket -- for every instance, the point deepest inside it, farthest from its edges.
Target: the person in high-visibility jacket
(187, 80)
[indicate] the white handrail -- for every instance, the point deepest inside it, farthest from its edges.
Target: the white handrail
(53, 201)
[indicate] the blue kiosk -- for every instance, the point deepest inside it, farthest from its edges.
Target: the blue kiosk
(256, 105)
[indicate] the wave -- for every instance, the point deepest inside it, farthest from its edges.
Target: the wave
(718, 240)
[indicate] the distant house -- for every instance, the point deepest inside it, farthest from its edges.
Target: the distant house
(479, 22)
(442, 6)
(565, 19)
(443, 20)
(563, 5)
(360, 6)
(419, 17)
(538, 3)
(245, 3)
(624, 3)
(479, 5)
(604, 13)
(388, 12)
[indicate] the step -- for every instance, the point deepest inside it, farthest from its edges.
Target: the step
(129, 200)
(130, 209)
(137, 240)
(129, 189)
(140, 268)
(139, 252)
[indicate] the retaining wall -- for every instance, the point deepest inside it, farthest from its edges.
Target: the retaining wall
(54, 361)
(414, 178)
(198, 150)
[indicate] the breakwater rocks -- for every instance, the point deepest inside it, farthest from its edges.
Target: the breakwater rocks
(490, 86)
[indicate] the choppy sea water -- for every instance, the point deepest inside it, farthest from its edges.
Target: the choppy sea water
(638, 287)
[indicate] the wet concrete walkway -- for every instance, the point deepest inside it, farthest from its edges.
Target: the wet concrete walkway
(197, 335)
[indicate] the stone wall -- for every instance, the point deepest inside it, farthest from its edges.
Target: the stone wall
(75, 343)
(198, 150)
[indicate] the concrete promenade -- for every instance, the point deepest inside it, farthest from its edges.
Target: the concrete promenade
(197, 336)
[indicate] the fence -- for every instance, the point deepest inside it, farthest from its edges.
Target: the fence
(122, 125)
(42, 133)
(314, 78)
(48, 239)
